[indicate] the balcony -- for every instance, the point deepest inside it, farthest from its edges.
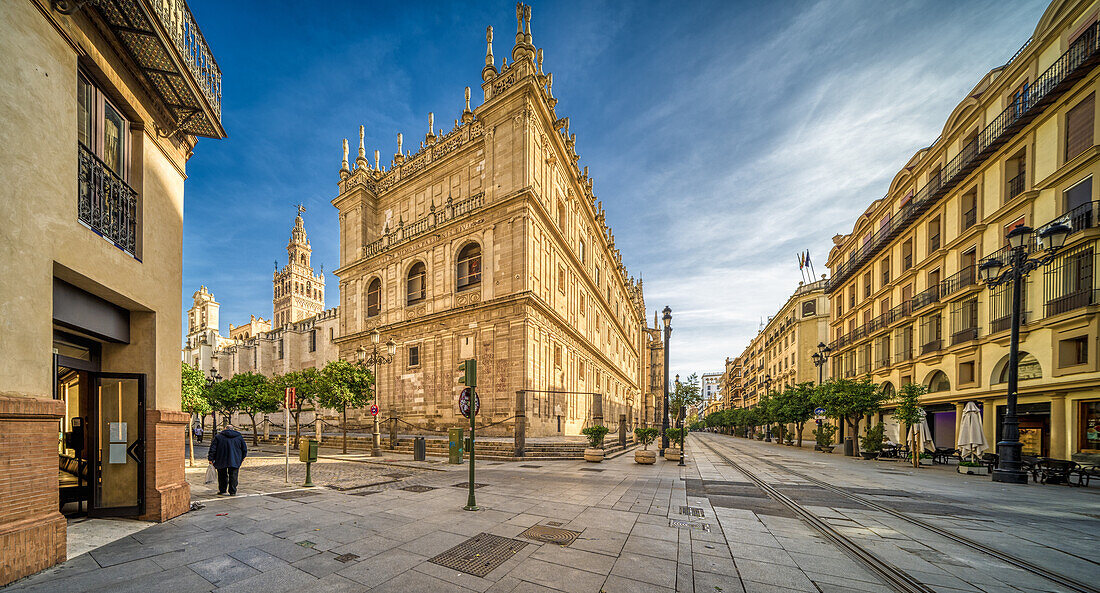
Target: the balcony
(1071, 301)
(964, 335)
(106, 203)
(166, 44)
(1078, 60)
(927, 297)
(1080, 218)
(1005, 323)
(1015, 186)
(404, 233)
(933, 346)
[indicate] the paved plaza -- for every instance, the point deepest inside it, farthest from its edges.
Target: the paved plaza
(378, 525)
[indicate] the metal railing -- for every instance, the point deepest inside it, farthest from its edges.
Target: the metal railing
(175, 16)
(1078, 219)
(1051, 83)
(964, 335)
(403, 233)
(1071, 301)
(933, 346)
(105, 202)
(927, 297)
(1015, 186)
(963, 278)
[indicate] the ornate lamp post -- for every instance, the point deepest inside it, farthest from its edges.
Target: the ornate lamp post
(664, 415)
(820, 358)
(374, 359)
(683, 411)
(767, 390)
(213, 378)
(994, 273)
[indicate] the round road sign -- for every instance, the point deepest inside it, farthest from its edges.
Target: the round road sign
(374, 410)
(464, 402)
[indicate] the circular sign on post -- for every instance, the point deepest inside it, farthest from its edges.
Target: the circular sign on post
(374, 410)
(464, 402)
(819, 411)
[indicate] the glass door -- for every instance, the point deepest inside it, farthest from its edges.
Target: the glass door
(118, 429)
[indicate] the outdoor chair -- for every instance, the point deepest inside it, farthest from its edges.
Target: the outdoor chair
(1057, 471)
(1085, 472)
(942, 454)
(990, 460)
(1030, 464)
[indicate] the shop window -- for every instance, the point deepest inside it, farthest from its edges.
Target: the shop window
(1090, 427)
(414, 356)
(1073, 352)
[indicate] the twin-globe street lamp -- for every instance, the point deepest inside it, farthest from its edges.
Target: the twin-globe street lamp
(820, 358)
(994, 273)
(374, 359)
(664, 416)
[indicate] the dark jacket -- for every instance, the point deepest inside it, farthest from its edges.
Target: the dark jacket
(227, 449)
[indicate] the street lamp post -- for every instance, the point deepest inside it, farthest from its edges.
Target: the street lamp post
(210, 381)
(664, 415)
(768, 426)
(374, 359)
(994, 273)
(820, 358)
(680, 415)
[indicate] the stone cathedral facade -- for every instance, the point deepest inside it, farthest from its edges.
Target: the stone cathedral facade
(487, 242)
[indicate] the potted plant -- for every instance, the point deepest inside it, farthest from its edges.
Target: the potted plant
(824, 436)
(645, 436)
(672, 453)
(972, 468)
(871, 442)
(595, 435)
(925, 458)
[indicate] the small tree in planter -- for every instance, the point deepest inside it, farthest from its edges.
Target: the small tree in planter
(645, 436)
(824, 436)
(871, 442)
(907, 413)
(595, 435)
(849, 400)
(675, 436)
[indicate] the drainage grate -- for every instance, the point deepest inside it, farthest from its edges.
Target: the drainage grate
(693, 511)
(346, 557)
(551, 535)
(306, 543)
(418, 488)
(531, 466)
(590, 469)
(480, 554)
(555, 523)
(293, 494)
(688, 525)
(467, 485)
(397, 475)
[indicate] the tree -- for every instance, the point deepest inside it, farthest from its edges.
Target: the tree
(345, 384)
(797, 406)
(254, 396)
(307, 386)
(907, 415)
(222, 399)
(683, 396)
(193, 400)
(849, 400)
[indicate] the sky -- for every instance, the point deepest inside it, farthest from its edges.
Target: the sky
(723, 138)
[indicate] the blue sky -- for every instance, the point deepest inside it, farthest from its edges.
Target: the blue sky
(723, 137)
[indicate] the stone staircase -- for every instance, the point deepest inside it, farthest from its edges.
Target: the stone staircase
(489, 450)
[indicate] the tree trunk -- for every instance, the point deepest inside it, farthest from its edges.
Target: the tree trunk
(854, 425)
(191, 436)
(344, 426)
(297, 425)
(914, 447)
(255, 437)
(800, 426)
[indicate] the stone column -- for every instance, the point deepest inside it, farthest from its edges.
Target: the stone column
(989, 423)
(319, 424)
(958, 419)
(1059, 431)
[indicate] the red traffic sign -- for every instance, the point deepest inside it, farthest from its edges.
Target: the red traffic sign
(290, 401)
(464, 402)
(374, 410)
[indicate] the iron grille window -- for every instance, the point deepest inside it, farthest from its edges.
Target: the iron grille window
(931, 333)
(1068, 281)
(882, 351)
(313, 340)
(374, 298)
(1000, 313)
(970, 210)
(1016, 185)
(469, 266)
(964, 320)
(414, 284)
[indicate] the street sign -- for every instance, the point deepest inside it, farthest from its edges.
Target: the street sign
(373, 410)
(289, 402)
(819, 411)
(464, 402)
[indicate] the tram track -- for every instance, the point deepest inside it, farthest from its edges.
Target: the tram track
(883, 569)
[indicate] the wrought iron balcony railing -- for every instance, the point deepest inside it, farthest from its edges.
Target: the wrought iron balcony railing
(960, 280)
(106, 203)
(1071, 301)
(1015, 186)
(402, 233)
(1055, 80)
(1005, 323)
(167, 45)
(964, 335)
(933, 346)
(927, 297)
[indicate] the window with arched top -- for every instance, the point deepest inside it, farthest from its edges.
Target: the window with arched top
(469, 266)
(938, 382)
(414, 283)
(1028, 368)
(374, 298)
(888, 390)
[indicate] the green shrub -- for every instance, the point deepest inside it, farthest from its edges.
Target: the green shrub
(871, 441)
(675, 435)
(595, 435)
(824, 434)
(646, 436)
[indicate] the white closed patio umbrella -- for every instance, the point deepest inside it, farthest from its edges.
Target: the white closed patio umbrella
(971, 441)
(923, 434)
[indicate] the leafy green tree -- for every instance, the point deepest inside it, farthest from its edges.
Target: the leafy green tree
(222, 400)
(683, 396)
(907, 414)
(307, 384)
(797, 405)
(193, 401)
(254, 396)
(849, 400)
(345, 384)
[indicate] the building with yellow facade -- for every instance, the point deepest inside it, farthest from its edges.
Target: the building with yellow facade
(907, 306)
(101, 104)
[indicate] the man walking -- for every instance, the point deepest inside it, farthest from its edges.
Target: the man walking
(227, 452)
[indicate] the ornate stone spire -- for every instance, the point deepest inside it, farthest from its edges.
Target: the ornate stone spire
(550, 90)
(489, 72)
(467, 114)
(344, 172)
(400, 156)
(523, 48)
(431, 124)
(377, 158)
(361, 160)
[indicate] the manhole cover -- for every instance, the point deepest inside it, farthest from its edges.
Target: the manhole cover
(467, 485)
(306, 543)
(397, 475)
(550, 535)
(346, 557)
(531, 466)
(688, 525)
(418, 488)
(364, 492)
(293, 494)
(590, 469)
(480, 554)
(692, 511)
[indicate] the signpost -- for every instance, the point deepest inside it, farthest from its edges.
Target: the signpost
(469, 405)
(288, 403)
(373, 410)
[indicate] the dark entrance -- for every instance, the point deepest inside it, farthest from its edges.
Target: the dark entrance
(1034, 428)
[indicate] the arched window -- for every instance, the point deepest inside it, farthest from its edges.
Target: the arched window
(938, 382)
(469, 266)
(374, 298)
(1027, 368)
(414, 285)
(888, 390)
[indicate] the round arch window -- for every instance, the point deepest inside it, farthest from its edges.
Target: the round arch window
(469, 266)
(938, 382)
(414, 283)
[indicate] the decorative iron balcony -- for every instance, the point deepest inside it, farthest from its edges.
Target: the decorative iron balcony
(962, 279)
(1005, 323)
(933, 346)
(167, 45)
(965, 335)
(1071, 301)
(1078, 60)
(927, 297)
(106, 203)
(1080, 218)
